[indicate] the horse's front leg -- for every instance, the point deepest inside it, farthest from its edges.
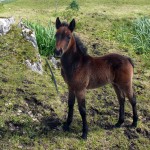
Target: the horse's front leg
(71, 101)
(82, 109)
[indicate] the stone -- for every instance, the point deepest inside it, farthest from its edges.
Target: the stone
(29, 35)
(5, 25)
(54, 62)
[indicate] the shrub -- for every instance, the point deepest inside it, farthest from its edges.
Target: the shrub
(74, 5)
(45, 37)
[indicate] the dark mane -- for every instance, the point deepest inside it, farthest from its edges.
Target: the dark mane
(64, 24)
(81, 47)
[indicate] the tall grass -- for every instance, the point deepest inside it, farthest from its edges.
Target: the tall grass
(45, 37)
(141, 38)
(134, 33)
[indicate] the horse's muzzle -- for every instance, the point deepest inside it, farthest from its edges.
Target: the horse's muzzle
(58, 53)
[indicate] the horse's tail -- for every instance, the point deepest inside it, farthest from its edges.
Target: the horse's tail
(131, 62)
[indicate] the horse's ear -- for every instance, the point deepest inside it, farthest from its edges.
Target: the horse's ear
(72, 25)
(58, 23)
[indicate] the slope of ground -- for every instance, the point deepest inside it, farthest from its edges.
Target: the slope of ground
(32, 113)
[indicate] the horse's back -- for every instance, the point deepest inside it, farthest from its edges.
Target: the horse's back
(109, 69)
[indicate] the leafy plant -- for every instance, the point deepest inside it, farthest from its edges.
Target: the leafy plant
(44, 36)
(74, 5)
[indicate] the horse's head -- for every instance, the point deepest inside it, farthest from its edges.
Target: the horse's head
(64, 36)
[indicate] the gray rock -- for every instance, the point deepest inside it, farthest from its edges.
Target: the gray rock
(29, 35)
(35, 66)
(5, 24)
(54, 62)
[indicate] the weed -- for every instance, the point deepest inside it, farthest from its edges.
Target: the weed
(74, 5)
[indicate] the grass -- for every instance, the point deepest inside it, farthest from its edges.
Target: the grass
(45, 37)
(134, 33)
(31, 112)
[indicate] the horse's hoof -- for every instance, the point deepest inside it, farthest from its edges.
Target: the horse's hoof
(134, 124)
(118, 125)
(84, 136)
(66, 127)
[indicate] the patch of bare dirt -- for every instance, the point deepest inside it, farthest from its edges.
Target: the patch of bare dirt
(131, 133)
(50, 123)
(144, 132)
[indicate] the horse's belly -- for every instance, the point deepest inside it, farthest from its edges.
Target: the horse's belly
(96, 84)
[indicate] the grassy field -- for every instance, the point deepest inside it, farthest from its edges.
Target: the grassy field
(31, 111)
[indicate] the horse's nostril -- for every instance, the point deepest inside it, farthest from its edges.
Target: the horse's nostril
(58, 52)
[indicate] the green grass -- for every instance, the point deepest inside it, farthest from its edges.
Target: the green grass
(31, 112)
(135, 33)
(45, 37)
(132, 34)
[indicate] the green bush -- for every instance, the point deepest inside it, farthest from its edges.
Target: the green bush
(134, 33)
(74, 5)
(45, 37)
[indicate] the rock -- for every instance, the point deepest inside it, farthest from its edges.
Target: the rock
(29, 35)
(5, 25)
(35, 66)
(54, 62)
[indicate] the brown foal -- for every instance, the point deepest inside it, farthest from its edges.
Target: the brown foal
(81, 71)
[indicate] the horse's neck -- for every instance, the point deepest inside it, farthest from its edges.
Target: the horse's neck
(69, 62)
(69, 57)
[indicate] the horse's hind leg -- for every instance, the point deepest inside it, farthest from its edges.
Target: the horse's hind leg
(71, 101)
(132, 98)
(121, 99)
